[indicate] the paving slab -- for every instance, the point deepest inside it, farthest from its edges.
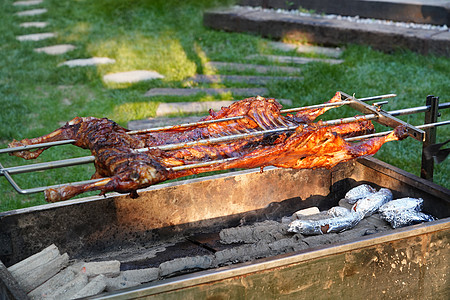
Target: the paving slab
(160, 122)
(132, 76)
(294, 59)
(83, 62)
(56, 49)
(27, 3)
(417, 11)
(238, 78)
(331, 52)
(33, 24)
(208, 91)
(252, 67)
(35, 36)
(31, 12)
(330, 32)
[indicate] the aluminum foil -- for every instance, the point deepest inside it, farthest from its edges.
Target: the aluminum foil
(403, 212)
(370, 204)
(359, 192)
(339, 223)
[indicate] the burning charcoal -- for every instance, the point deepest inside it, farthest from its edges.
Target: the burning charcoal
(71, 288)
(30, 279)
(34, 261)
(333, 224)
(185, 263)
(267, 231)
(359, 192)
(94, 287)
(369, 205)
(114, 284)
(140, 275)
(403, 212)
(92, 269)
(51, 285)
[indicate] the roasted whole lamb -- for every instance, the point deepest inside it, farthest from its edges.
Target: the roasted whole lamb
(125, 170)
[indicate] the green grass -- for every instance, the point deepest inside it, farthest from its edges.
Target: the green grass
(168, 37)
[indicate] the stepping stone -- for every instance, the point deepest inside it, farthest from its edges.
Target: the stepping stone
(251, 67)
(209, 91)
(83, 62)
(56, 49)
(190, 107)
(132, 76)
(168, 108)
(31, 12)
(34, 24)
(294, 59)
(160, 122)
(237, 78)
(332, 52)
(27, 3)
(35, 36)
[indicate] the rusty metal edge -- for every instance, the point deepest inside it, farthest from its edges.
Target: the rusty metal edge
(242, 269)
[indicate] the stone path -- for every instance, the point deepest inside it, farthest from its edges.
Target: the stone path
(36, 36)
(33, 24)
(28, 3)
(208, 91)
(239, 79)
(262, 69)
(132, 76)
(327, 51)
(31, 12)
(56, 49)
(83, 62)
(294, 59)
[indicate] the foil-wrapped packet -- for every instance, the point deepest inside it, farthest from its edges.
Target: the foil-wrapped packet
(359, 192)
(370, 204)
(403, 212)
(342, 221)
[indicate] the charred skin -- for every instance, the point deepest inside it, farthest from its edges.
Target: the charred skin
(122, 169)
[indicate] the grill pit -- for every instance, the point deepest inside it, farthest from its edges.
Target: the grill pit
(172, 221)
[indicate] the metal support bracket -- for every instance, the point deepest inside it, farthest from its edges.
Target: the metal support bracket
(384, 118)
(431, 116)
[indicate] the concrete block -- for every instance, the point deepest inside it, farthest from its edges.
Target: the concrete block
(68, 290)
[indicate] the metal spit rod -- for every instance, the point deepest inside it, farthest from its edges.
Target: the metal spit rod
(186, 125)
(21, 169)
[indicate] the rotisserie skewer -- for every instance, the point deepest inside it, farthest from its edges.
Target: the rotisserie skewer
(259, 137)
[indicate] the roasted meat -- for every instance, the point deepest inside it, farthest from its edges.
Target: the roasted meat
(123, 169)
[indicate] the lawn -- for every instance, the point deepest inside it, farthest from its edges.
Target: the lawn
(168, 36)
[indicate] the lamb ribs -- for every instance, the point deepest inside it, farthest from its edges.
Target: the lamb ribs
(123, 169)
